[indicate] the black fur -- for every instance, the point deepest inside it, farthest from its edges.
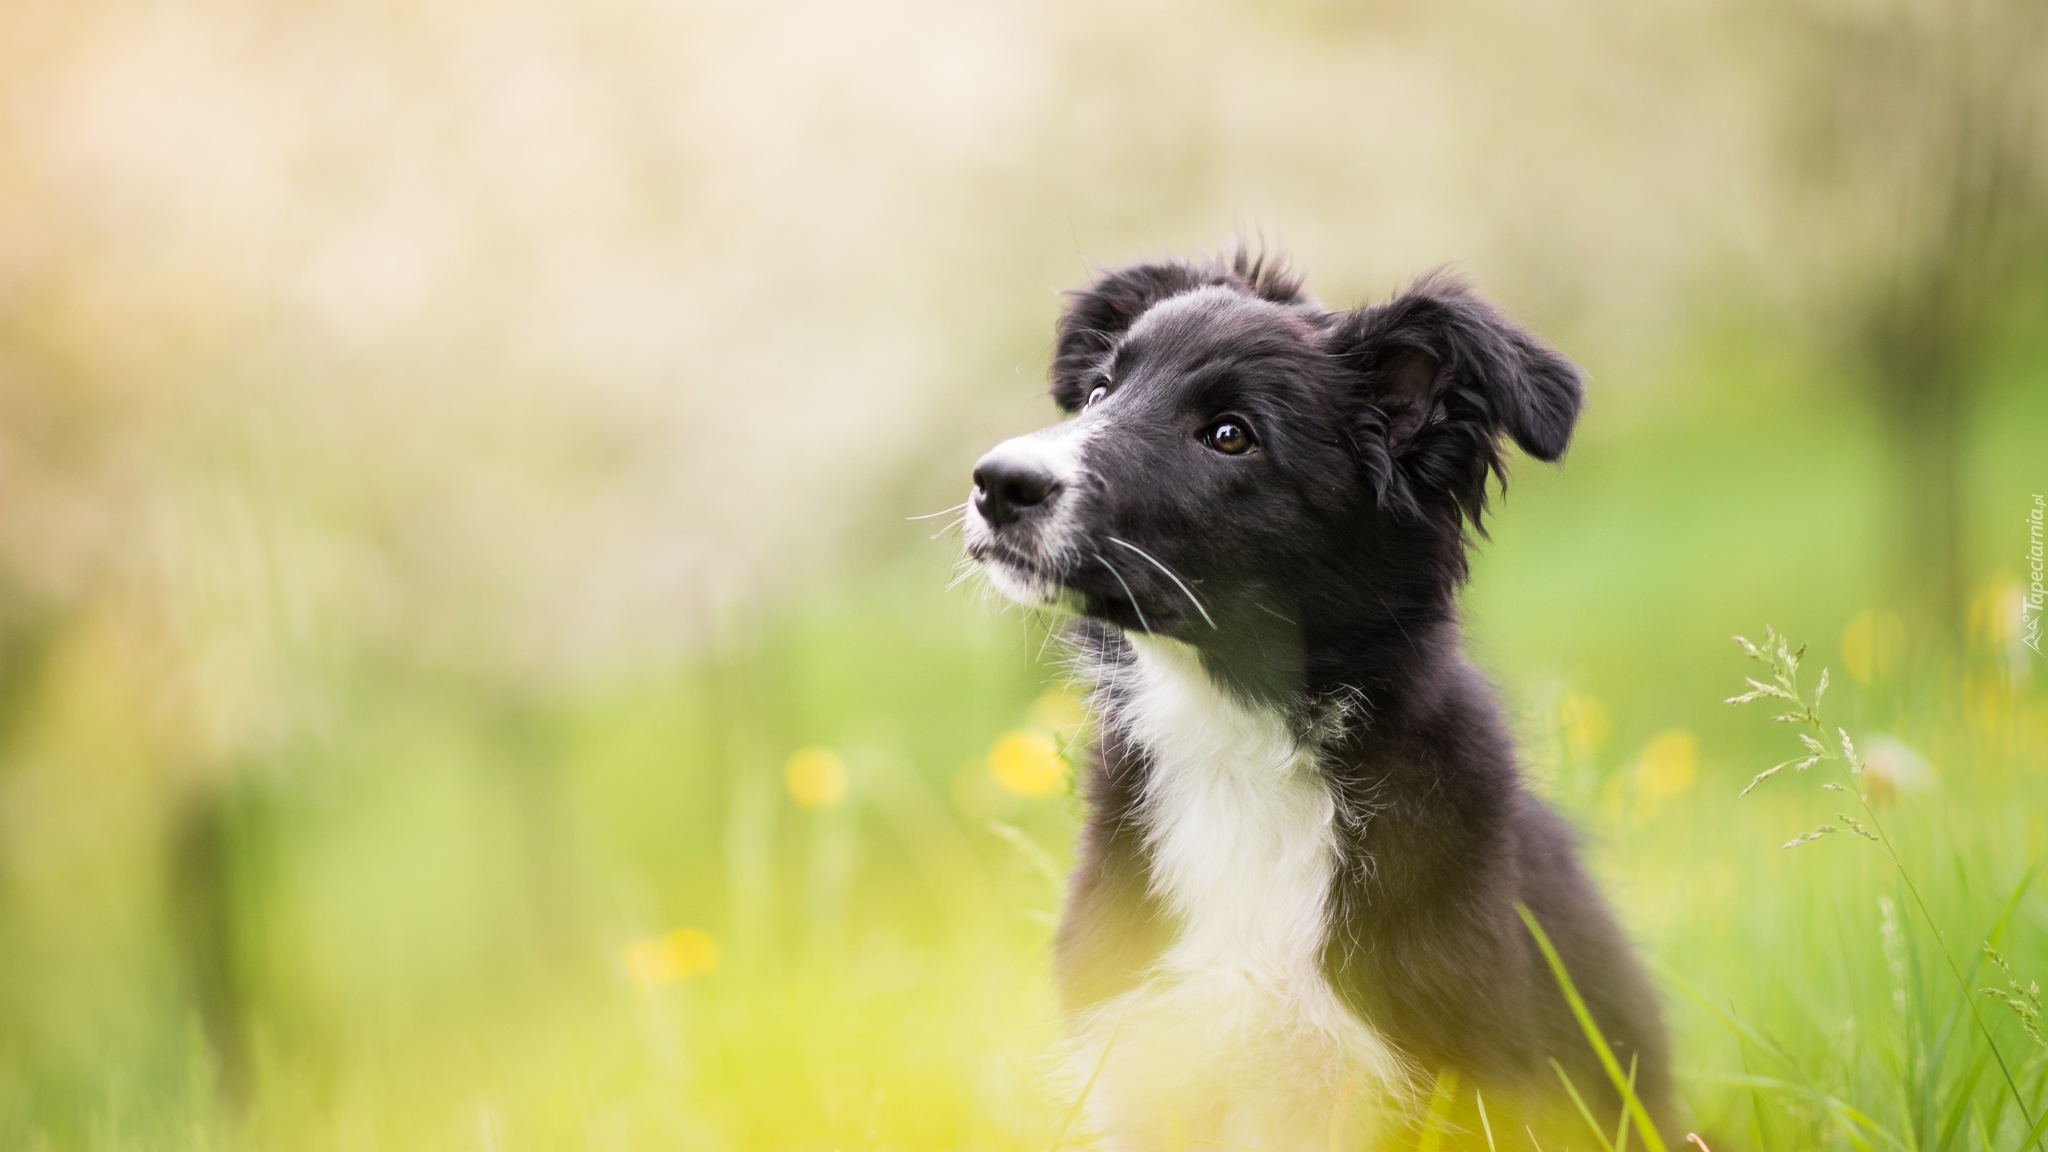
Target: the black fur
(1326, 562)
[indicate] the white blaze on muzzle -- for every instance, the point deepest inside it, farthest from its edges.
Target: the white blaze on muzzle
(1022, 519)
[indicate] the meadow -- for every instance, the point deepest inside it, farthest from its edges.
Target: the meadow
(473, 675)
(797, 893)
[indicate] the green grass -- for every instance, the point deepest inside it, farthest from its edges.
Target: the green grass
(415, 923)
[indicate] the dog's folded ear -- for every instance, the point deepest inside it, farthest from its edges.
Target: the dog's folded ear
(1439, 376)
(1098, 315)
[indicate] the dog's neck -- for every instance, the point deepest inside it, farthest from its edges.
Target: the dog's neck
(1372, 672)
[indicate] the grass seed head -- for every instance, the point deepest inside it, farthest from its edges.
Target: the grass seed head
(1810, 837)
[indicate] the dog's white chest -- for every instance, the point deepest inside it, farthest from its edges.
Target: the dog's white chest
(1236, 1036)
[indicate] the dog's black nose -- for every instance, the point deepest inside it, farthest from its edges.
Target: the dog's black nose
(1008, 483)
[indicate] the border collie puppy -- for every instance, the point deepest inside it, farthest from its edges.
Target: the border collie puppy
(1293, 920)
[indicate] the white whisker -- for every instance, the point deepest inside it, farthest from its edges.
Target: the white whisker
(1046, 637)
(1192, 598)
(1127, 590)
(941, 512)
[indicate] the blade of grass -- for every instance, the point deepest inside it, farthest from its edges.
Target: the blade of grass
(2040, 1126)
(1997, 1112)
(1081, 1101)
(1598, 1133)
(1736, 1024)
(1846, 1115)
(1954, 1015)
(1621, 1126)
(1485, 1125)
(1958, 1107)
(1756, 1096)
(1652, 1139)
(1440, 1100)
(1804, 1086)
(1963, 985)
(1784, 665)
(1898, 863)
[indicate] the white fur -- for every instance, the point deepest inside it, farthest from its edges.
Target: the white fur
(1059, 447)
(1019, 586)
(1235, 1037)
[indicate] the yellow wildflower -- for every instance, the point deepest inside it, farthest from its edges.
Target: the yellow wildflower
(816, 777)
(1027, 762)
(663, 960)
(1667, 767)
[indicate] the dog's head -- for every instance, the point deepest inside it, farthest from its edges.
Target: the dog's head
(1252, 474)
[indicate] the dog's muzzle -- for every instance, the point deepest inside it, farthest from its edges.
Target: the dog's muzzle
(1013, 482)
(1022, 525)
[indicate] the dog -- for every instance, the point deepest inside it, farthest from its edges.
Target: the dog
(1294, 921)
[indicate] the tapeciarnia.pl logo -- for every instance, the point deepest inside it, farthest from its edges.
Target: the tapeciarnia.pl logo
(2037, 595)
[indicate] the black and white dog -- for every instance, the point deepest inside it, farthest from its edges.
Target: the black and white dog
(1306, 833)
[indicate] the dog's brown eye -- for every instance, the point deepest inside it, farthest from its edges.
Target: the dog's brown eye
(1229, 436)
(1101, 390)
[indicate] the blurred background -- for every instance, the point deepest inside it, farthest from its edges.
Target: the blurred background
(468, 679)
